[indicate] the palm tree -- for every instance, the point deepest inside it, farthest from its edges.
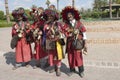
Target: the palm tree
(110, 8)
(7, 11)
(118, 1)
(47, 3)
(57, 4)
(99, 3)
(73, 3)
(104, 2)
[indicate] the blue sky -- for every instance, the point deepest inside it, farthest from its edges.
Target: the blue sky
(13, 4)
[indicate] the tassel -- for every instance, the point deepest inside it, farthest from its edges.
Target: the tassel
(59, 51)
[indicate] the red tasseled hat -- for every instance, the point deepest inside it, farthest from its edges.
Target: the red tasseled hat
(34, 10)
(16, 13)
(51, 12)
(19, 13)
(68, 9)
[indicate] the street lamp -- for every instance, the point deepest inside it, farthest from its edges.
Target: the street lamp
(47, 3)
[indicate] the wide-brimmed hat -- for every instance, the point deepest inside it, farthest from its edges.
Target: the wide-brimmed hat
(72, 10)
(19, 13)
(52, 13)
(16, 13)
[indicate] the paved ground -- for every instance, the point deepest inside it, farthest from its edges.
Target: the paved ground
(101, 63)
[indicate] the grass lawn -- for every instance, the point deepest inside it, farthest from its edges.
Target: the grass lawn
(4, 23)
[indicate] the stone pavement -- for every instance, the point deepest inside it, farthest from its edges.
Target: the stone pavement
(94, 70)
(101, 63)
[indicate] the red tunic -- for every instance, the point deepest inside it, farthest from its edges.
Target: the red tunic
(40, 53)
(23, 49)
(74, 56)
(52, 54)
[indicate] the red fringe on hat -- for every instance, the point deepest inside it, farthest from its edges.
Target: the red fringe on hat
(68, 9)
(19, 13)
(51, 12)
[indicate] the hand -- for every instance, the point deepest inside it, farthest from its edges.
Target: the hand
(70, 34)
(84, 51)
(52, 36)
(48, 28)
(40, 33)
(70, 30)
(20, 35)
(85, 47)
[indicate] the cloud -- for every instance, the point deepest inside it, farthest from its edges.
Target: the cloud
(1, 3)
(20, 3)
(62, 4)
(2, 7)
(28, 0)
(53, 1)
(87, 5)
(13, 4)
(25, 0)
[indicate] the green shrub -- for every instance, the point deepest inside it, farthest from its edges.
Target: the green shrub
(2, 15)
(5, 24)
(96, 14)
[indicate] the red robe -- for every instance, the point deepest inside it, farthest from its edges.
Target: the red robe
(52, 54)
(40, 53)
(23, 49)
(74, 56)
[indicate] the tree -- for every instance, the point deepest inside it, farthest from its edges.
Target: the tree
(48, 3)
(117, 1)
(96, 4)
(27, 12)
(104, 2)
(73, 3)
(99, 3)
(34, 7)
(7, 11)
(110, 8)
(1, 15)
(58, 5)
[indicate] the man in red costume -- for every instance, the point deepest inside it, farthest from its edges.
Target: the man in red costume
(21, 30)
(37, 29)
(75, 32)
(52, 31)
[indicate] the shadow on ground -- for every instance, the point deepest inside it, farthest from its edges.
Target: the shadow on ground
(65, 69)
(10, 58)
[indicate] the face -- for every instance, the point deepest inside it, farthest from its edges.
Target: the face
(50, 18)
(70, 16)
(40, 11)
(52, 7)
